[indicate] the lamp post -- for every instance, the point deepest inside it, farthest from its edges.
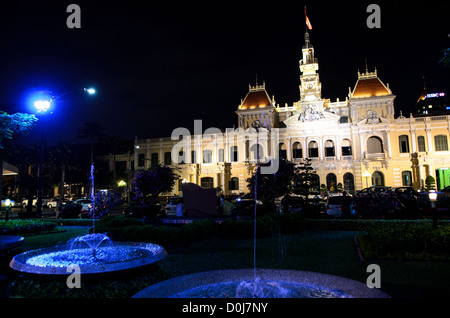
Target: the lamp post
(432, 195)
(42, 104)
(42, 107)
(7, 209)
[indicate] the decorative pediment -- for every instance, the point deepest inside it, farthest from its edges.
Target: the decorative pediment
(255, 130)
(311, 117)
(373, 119)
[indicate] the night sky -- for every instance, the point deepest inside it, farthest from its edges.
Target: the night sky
(157, 66)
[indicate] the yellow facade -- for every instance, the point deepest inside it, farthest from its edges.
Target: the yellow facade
(357, 142)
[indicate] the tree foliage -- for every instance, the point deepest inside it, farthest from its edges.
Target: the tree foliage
(17, 123)
(148, 184)
(268, 187)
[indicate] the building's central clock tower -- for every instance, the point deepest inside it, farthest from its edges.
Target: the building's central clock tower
(310, 86)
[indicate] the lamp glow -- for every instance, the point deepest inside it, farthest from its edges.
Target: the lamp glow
(42, 105)
(90, 91)
(432, 195)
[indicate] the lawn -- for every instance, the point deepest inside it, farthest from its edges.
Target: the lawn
(330, 252)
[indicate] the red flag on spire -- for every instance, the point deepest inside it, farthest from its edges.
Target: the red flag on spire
(308, 24)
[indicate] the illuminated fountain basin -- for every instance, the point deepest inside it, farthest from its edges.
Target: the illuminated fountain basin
(93, 253)
(268, 284)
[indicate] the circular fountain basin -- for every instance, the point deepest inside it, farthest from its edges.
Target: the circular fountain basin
(10, 241)
(117, 257)
(274, 284)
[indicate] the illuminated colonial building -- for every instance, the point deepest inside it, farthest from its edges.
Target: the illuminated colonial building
(357, 142)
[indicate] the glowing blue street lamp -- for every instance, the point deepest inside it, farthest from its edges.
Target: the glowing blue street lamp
(42, 103)
(90, 91)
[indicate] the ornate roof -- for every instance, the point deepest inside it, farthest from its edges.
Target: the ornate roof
(257, 97)
(369, 85)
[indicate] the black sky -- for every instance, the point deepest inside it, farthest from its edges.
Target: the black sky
(159, 66)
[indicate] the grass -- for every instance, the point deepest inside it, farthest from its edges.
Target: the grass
(330, 252)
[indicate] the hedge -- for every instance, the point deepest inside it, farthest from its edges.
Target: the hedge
(25, 227)
(406, 240)
(120, 229)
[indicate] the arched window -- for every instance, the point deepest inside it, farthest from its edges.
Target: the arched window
(440, 143)
(377, 178)
(154, 159)
(406, 178)
(297, 152)
(257, 152)
(313, 149)
(282, 151)
(374, 145)
(331, 182)
(207, 182)
(221, 155)
(234, 183)
(314, 183)
(329, 148)
(234, 153)
(421, 144)
(141, 160)
(349, 183)
(167, 158)
(403, 143)
(207, 156)
(346, 147)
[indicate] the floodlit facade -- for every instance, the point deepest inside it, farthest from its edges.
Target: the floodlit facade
(357, 142)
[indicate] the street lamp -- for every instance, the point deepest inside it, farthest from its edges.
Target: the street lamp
(432, 195)
(42, 106)
(90, 91)
(43, 102)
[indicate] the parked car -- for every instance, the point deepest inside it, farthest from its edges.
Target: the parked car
(336, 206)
(245, 208)
(292, 204)
(25, 202)
(53, 202)
(446, 191)
(69, 210)
(142, 212)
(373, 190)
(171, 207)
(86, 204)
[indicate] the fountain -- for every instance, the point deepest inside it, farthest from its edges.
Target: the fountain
(270, 283)
(93, 253)
(8, 242)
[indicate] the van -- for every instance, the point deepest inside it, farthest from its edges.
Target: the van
(335, 206)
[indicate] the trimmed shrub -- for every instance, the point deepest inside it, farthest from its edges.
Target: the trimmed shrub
(406, 240)
(25, 227)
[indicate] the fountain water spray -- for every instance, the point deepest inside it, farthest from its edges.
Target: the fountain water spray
(92, 194)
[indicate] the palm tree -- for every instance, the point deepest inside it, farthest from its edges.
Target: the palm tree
(60, 156)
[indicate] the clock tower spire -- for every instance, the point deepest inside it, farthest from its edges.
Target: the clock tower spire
(310, 86)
